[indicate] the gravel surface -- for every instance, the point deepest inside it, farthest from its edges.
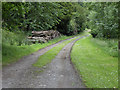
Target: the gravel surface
(60, 73)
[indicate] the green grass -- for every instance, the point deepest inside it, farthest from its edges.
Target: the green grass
(98, 68)
(50, 55)
(12, 53)
(110, 46)
(119, 69)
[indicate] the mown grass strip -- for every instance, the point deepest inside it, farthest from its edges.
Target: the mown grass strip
(50, 55)
(98, 68)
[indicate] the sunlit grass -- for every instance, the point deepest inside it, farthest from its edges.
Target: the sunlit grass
(97, 67)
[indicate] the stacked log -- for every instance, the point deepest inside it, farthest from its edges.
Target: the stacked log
(43, 36)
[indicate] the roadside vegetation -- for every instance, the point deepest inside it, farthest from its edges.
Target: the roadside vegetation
(97, 62)
(96, 57)
(50, 55)
(12, 53)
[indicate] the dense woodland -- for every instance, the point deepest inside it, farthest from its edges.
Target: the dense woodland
(68, 18)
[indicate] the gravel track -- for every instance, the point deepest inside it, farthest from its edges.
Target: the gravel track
(60, 73)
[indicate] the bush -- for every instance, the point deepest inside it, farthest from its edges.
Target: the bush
(94, 33)
(14, 38)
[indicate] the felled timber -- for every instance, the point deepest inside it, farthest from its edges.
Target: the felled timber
(43, 36)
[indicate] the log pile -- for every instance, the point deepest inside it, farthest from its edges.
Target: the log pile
(43, 36)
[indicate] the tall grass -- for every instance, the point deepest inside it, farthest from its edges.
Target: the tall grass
(110, 46)
(17, 38)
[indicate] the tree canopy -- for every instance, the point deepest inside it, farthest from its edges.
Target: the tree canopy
(66, 17)
(103, 19)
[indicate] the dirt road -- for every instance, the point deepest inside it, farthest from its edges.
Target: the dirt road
(58, 74)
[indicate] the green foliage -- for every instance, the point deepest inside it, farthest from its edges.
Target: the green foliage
(74, 20)
(28, 16)
(92, 59)
(68, 18)
(17, 38)
(13, 14)
(103, 19)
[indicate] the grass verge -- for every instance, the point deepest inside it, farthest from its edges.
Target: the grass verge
(50, 55)
(110, 46)
(12, 53)
(97, 67)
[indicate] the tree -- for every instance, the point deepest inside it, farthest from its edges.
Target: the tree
(103, 19)
(68, 18)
